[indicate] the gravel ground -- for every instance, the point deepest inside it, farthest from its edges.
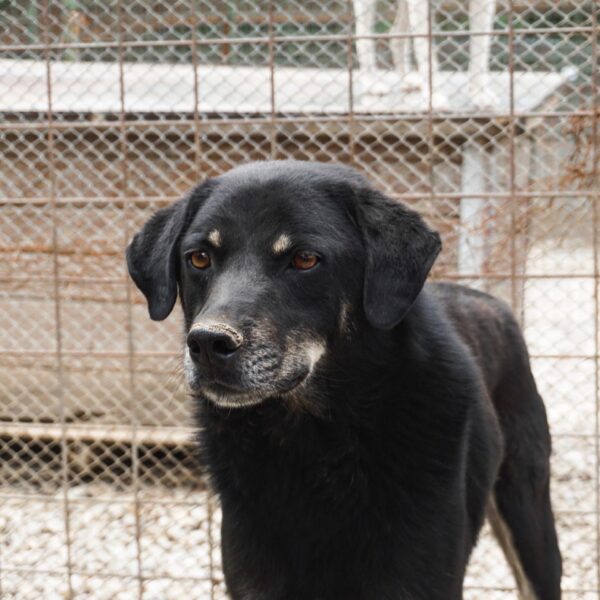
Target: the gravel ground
(175, 549)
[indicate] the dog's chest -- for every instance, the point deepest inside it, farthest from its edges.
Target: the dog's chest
(325, 475)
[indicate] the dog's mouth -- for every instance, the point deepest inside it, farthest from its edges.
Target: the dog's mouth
(226, 395)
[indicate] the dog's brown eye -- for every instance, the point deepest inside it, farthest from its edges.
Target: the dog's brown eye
(305, 260)
(200, 260)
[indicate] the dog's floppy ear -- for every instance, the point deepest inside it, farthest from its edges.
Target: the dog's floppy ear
(400, 250)
(152, 254)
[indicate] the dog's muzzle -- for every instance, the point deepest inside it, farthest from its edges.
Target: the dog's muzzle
(232, 368)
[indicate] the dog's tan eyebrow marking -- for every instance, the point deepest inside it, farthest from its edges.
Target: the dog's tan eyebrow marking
(215, 239)
(281, 244)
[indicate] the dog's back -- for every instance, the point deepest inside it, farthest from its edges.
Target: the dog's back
(488, 327)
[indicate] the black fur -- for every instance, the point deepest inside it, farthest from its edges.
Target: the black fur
(370, 479)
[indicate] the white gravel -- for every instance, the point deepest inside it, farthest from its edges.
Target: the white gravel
(174, 549)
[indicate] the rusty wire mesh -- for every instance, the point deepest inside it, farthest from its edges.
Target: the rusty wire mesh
(109, 110)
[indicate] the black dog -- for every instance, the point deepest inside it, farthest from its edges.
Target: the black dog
(356, 425)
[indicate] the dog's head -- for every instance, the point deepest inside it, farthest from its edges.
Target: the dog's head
(275, 263)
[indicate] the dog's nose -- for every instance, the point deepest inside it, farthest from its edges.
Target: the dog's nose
(213, 342)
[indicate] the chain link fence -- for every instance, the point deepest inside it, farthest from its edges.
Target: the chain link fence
(109, 110)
